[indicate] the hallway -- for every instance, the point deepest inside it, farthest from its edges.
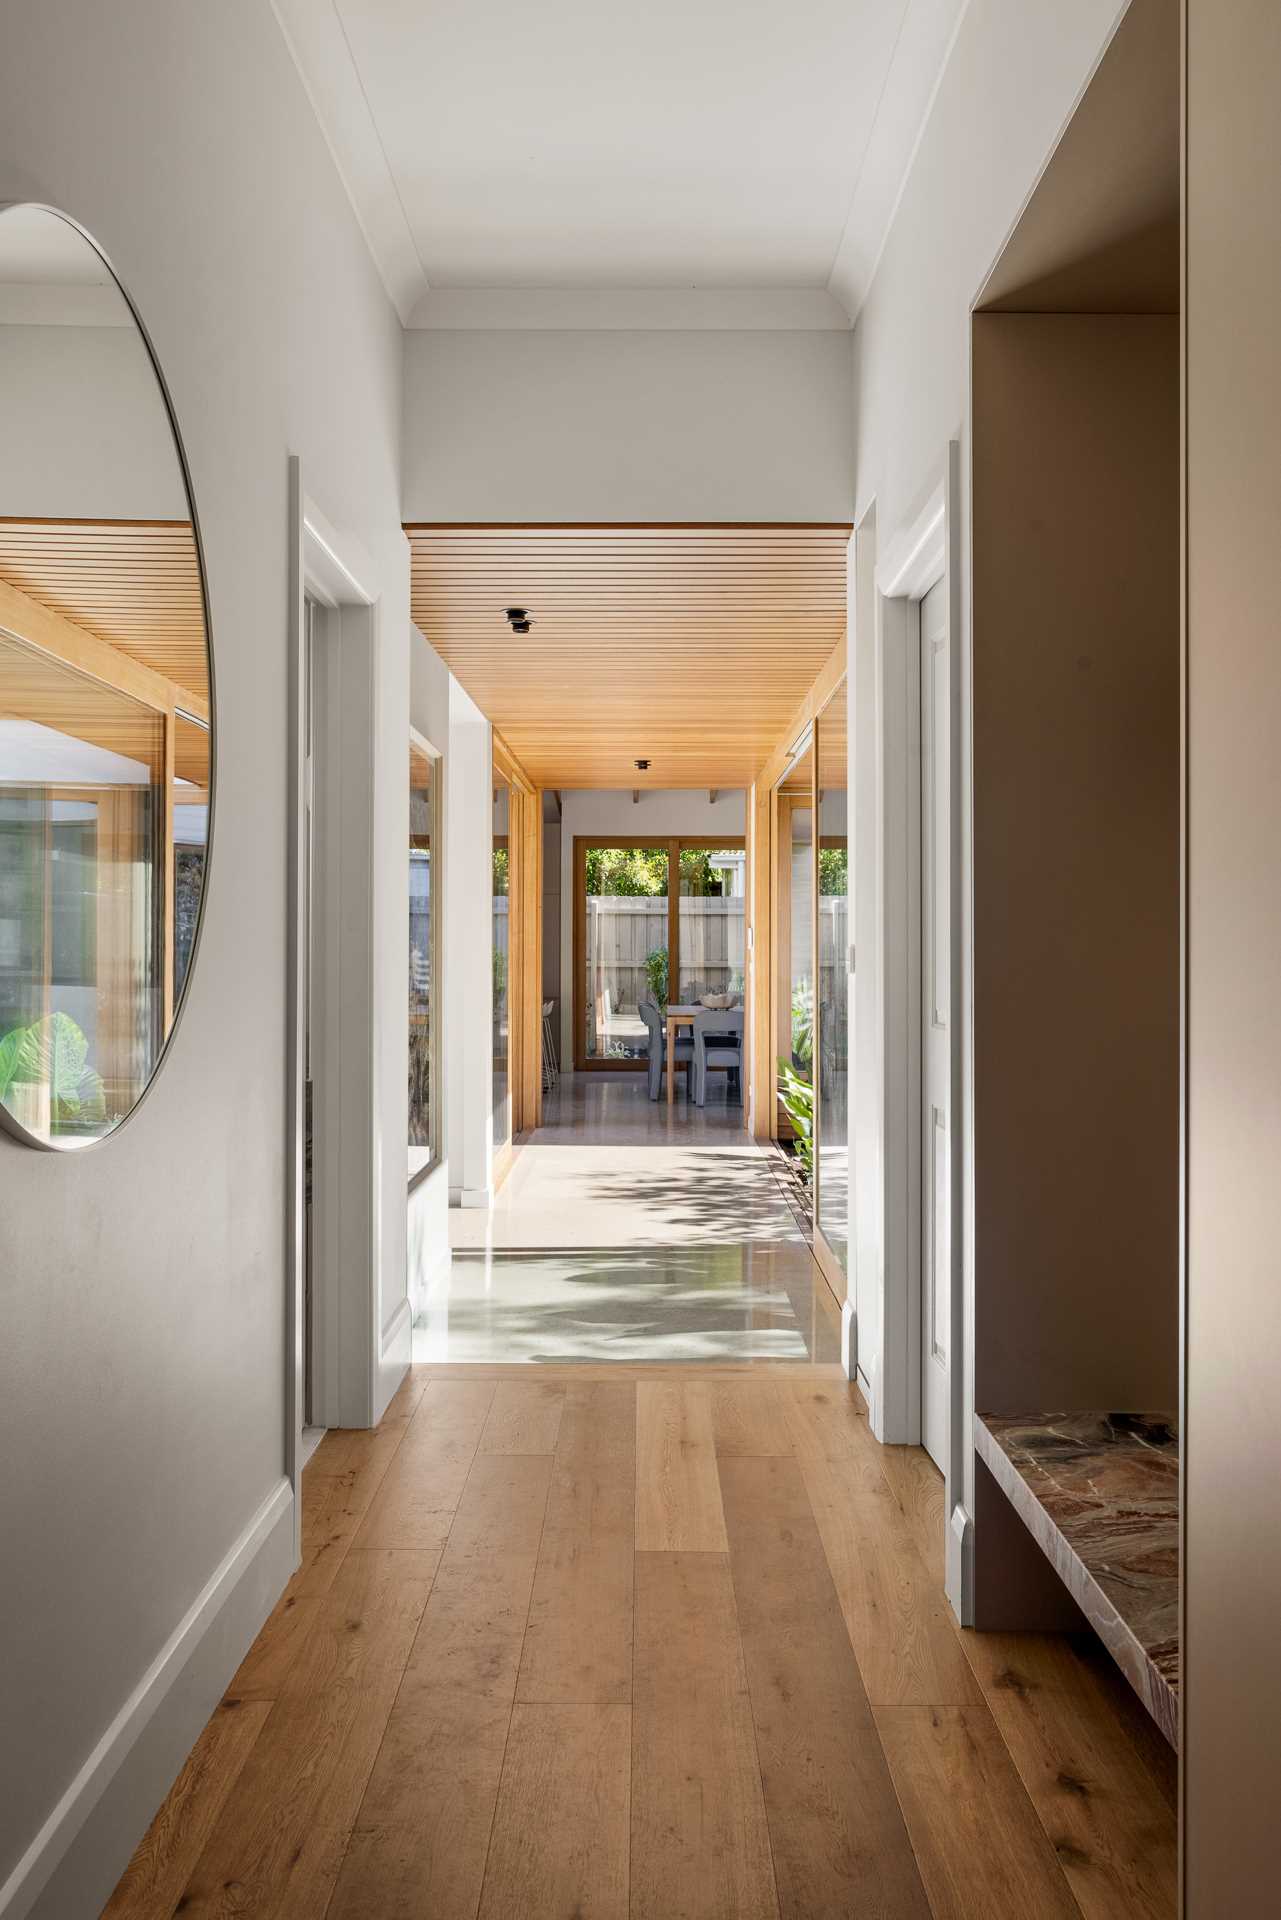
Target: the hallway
(622, 1641)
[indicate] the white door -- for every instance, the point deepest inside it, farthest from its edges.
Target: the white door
(936, 1047)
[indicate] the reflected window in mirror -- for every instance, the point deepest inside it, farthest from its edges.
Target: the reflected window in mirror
(106, 747)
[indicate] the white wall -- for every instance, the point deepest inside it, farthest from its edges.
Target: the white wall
(1014, 74)
(545, 426)
(85, 435)
(430, 682)
(142, 1281)
(662, 811)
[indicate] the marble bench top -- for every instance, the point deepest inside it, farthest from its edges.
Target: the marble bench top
(1099, 1492)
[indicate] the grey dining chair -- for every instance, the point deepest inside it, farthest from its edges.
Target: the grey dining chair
(652, 1015)
(718, 1046)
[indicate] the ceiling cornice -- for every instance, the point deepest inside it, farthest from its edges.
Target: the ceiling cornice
(630, 309)
(921, 53)
(317, 41)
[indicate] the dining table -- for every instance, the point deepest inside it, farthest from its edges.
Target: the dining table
(677, 1017)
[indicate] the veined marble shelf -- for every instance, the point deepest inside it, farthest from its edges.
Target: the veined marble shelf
(1099, 1493)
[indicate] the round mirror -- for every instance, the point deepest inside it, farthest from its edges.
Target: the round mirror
(106, 708)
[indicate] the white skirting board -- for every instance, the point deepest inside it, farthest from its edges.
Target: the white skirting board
(73, 1863)
(849, 1339)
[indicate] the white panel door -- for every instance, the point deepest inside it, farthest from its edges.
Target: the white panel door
(936, 1036)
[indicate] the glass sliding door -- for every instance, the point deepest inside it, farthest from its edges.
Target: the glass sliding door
(832, 1184)
(638, 941)
(501, 886)
(622, 937)
(711, 929)
(424, 1114)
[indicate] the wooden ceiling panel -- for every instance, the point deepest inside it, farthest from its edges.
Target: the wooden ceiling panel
(135, 584)
(689, 646)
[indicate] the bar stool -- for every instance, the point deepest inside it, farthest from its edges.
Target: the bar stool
(551, 1072)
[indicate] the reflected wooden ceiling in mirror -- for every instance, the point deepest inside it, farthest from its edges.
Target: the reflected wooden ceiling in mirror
(689, 646)
(135, 584)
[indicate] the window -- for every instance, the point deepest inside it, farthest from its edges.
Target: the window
(424, 971)
(712, 901)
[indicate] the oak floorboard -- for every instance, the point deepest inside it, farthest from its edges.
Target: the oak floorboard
(524, 1418)
(167, 1854)
(277, 1845)
(559, 1847)
(422, 1832)
(897, 1616)
(362, 1453)
(748, 1416)
(982, 1852)
(839, 1841)
(502, 1507)
(1107, 1817)
(918, 1487)
(414, 1506)
(678, 1495)
(578, 1644)
(700, 1847)
(828, 1420)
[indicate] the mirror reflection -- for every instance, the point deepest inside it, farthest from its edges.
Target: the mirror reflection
(105, 719)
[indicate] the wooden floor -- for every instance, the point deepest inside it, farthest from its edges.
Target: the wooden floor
(649, 1643)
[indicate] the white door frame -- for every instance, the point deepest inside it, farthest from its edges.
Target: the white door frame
(922, 551)
(332, 569)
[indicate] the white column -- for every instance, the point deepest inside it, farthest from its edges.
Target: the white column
(469, 943)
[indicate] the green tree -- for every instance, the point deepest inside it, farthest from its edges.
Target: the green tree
(629, 871)
(833, 870)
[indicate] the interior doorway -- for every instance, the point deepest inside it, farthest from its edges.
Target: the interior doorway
(936, 1025)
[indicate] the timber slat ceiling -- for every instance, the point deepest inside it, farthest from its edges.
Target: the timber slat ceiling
(135, 584)
(691, 646)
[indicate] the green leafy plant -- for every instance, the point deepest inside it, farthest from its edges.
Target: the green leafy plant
(656, 974)
(500, 976)
(796, 1097)
(803, 1025)
(53, 1052)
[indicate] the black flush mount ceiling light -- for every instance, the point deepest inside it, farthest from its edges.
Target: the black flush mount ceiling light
(521, 626)
(641, 766)
(519, 618)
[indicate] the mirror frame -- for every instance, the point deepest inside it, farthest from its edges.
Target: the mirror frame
(9, 1125)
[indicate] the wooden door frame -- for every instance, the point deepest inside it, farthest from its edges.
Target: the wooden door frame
(524, 950)
(675, 843)
(763, 895)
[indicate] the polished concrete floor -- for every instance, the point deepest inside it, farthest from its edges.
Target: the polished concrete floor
(630, 1231)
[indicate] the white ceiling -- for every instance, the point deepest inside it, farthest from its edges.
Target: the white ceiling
(593, 147)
